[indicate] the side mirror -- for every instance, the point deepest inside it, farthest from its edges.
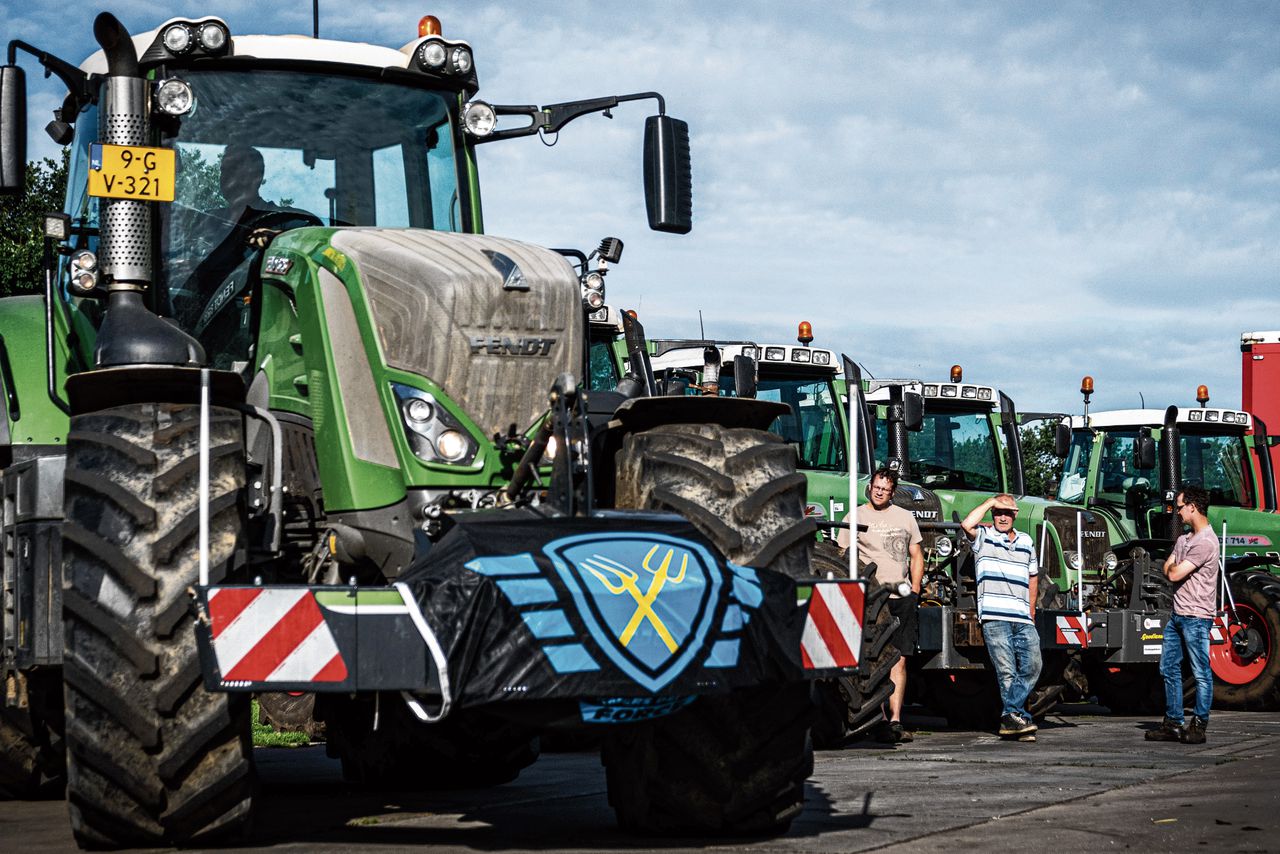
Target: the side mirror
(744, 376)
(1061, 439)
(668, 175)
(13, 129)
(913, 411)
(1144, 450)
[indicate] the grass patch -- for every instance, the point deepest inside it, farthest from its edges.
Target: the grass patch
(265, 736)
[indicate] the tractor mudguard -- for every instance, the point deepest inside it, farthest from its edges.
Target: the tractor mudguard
(93, 391)
(634, 607)
(642, 413)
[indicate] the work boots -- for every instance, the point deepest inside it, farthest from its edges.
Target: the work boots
(1193, 732)
(1169, 731)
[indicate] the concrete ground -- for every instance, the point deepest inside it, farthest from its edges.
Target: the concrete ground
(1089, 783)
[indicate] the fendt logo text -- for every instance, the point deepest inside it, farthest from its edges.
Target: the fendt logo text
(512, 346)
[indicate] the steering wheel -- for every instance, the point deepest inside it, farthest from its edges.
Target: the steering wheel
(211, 277)
(930, 466)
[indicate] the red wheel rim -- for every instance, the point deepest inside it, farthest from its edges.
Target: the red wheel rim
(1227, 665)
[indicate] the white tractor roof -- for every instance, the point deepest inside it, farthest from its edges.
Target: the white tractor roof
(814, 359)
(289, 47)
(944, 392)
(1117, 418)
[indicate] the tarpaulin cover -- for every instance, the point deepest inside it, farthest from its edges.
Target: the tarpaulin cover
(631, 606)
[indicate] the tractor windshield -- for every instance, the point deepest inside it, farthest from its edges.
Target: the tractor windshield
(1075, 468)
(269, 150)
(1221, 465)
(955, 450)
(814, 426)
(1120, 481)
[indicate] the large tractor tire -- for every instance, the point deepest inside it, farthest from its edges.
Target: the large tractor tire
(1249, 677)
(849, 706)
(152, 757)
(32, 752)
(466, 750)
(739, 487)
(727, 765)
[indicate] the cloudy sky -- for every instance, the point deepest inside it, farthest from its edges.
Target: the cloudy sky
(1035, 191)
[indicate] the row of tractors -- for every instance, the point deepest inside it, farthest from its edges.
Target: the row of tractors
(1102, 531)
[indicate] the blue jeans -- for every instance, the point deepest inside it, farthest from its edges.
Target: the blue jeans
(1015, 654)
(1191, 634)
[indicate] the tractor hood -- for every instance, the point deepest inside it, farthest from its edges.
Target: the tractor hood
(491, 321)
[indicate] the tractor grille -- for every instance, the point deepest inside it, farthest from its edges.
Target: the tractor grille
(451, 308)
(1096, 541)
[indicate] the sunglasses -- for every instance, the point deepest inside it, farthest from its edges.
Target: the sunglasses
(1004, 512)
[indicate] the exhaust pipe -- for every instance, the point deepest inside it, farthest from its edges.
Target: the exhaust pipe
(124, 118)
(1171, 471)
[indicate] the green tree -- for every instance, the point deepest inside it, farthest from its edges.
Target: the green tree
(21, 226)
(1040, 465)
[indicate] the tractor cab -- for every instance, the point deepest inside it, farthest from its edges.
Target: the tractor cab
(1125, 461)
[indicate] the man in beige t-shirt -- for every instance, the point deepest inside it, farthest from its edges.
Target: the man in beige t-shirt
(892, 542)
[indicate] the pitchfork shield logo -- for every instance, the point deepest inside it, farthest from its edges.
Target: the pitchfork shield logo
(648, 600)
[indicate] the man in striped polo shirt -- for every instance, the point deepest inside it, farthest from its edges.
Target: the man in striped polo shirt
(1007, 573)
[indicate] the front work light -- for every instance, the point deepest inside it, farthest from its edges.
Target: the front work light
(174, 97)
(479, 119)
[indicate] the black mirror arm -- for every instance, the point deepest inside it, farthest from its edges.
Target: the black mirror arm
(77, 81)
(551, 118)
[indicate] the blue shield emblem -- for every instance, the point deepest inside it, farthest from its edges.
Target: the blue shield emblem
(648, 600)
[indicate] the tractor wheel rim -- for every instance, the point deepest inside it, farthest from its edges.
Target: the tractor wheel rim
(1227, 664)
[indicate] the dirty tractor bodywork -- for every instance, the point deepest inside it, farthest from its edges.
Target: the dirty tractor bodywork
(1127, 467)
(336, 442)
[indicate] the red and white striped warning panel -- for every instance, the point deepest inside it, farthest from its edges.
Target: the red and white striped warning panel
(262, 634)
(1218, 632)
(1073, 630)
(833, 626)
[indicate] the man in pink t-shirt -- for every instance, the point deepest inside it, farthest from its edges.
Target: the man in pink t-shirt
(1193, 567)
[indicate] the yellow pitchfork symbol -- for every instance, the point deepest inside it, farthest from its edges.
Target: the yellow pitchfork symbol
(626, 582)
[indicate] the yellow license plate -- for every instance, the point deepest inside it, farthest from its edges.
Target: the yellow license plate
(131, 172)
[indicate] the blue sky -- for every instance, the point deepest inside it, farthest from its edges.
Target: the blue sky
(1035, 191)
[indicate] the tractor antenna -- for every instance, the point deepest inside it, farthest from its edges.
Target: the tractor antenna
(702, 333)
(1142, 400)
(315, 18)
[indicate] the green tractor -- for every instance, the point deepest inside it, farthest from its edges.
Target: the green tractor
(1127, 466)
(336, 443)
(1095, 622)
(808, 381)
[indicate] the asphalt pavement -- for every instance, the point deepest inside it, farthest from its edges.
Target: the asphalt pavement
(1090, 782)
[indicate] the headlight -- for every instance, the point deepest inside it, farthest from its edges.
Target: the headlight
(461, 60)
(942, 547)
(418, 410)
(1110, 561)
(931, 391)
(434, 434)
(213, 37)
(84, 272)
(432, 55)
(1073, 560)
(593, 282)
(177, 38)
(799, 354)
(479, 118)
(452, 445)
(174, 97)
(821, 357)
(948, 391)
(751, 352)
(594, 300)
(775, 353)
